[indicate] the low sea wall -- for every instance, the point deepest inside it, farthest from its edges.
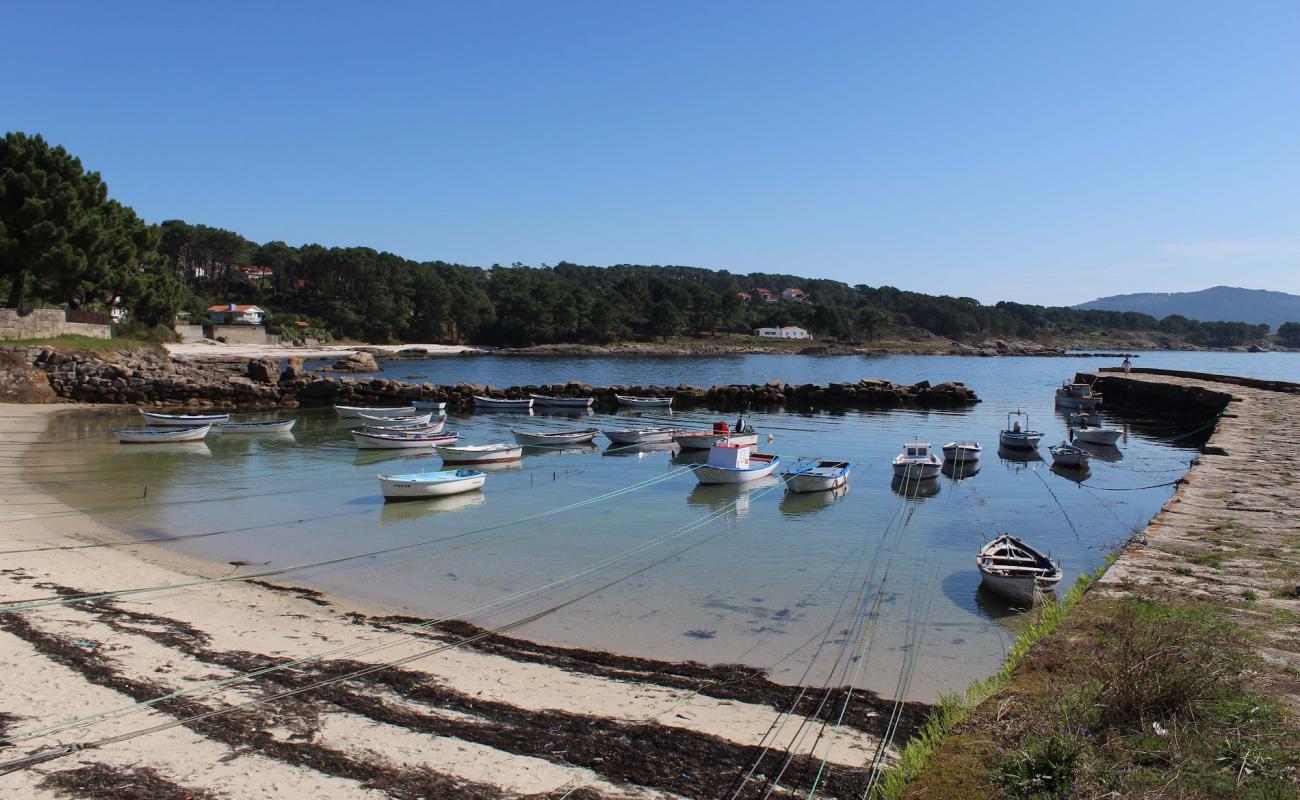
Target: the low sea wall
(45, 323)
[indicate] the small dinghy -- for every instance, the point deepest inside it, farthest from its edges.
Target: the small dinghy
(1097, 435)
(556, 438)
(502, 404)
(640, 435)
(1015, 570)
(430, 405)
(1077, 395)
(353, 412)
(733, 463)
(377, 420)
(400, 425)
(482, 453)
(271, 426)
(917, 462)
(643, 402)
(546, 401)
(398, 440)
(182, 420)
(1016, 435)
(743, 434)
(819, 476)
(964, 451)
(156, 436)
(418, 485)
(1067, 455)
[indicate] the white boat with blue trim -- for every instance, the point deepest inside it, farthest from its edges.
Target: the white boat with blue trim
(733, 463)
(182, 420)
(401, 440)
(269, 426)
(159, 436)
(547, 401)
(1019, 436)
(630, 401)
(819, 476)
(502, 403)
(917, 462)
(418, 485)
(353, 412)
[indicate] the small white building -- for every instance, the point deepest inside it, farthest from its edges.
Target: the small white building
(784, 332)
(233, 314)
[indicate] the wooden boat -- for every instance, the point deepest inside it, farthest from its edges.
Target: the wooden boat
(1096, 435)
(417, 485)
(1083, 418)
(964, 451)
(156, 436)
(270, 426)
(556, 438)
(1077, 395)
(742, 434)
(398, 440)
(502, 404)
(430, 405)
(819, 476)
(733, 463)
(1015, 570)
(643, 402)
(917, 461)
(374, 411)
(640, 435)
(182, 420)
(401, 426)
(376, 420)
(1067, 455)
(481, 453)
(1020, 436)
(547, 401)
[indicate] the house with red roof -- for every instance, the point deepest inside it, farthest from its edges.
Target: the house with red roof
(235, 314)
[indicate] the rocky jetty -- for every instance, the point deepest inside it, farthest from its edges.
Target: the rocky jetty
(146, 377)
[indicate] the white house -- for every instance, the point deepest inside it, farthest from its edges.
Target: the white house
(784, 332)
(236, 314)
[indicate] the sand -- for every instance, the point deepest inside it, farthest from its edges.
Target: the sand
(464, 721)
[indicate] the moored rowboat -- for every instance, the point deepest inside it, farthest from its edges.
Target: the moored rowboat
(819, 476)
(1094, 435)
(640, 435)
(416, 485)
(155, 436)
(964, 451)
(643, 402)
(375, 411)
(1015, 570)
(482, 453)
(397, 440)
(562, 402)
(401, 426)
(1067, 455)
(378, 420)
(543, 438)
(502, 404)
(182, 420)
(270, 426)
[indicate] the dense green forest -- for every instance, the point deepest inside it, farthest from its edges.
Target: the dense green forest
(63, 241)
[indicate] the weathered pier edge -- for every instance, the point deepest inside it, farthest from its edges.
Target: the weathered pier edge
(148, 378)
(1224, 548)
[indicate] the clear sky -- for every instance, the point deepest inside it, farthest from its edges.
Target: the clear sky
(1043, 152)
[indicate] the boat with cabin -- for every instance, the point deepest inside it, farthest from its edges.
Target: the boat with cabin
(819, 476)
(733, 463)
(1016, 571)
(419, 485)
(1077, 395)
(917, 461)
(1017, 435)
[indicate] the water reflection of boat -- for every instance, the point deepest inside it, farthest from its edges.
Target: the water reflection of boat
(639, 449)
(718, 496)
(1076, 474)
(1018, 459)
(690, 456)
(958, 470)
(165, 450)
(500, 466)
(1101, 452)
(794, 504)
(366, 457)
(561, 450)
(395, 513)
(917, 488)
(551, 411)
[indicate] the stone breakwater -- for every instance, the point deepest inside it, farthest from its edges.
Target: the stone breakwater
(146, 377)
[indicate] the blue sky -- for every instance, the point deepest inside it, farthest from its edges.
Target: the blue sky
(1042, 152)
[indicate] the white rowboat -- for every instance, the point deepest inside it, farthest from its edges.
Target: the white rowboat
(964, 451)
(155, 436)
(1103, 436)
(182, 420)
(417, 485)
(820, 476)
(1067, 455)
(396, 440)
(643, 402)
(640, 435)
(270, 426)
(374, 411)
(558, 438)
(401, 426)
(377, 420)
(546, 401)
(1015, 570)
(502, 404)
(917, 461)
(481, 453)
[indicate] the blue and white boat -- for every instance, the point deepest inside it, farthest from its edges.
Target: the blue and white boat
(733, 463)
(1019, 436)
(160, 435)
(416, 485)
(819, 476)
(270, 426)
(182, 420)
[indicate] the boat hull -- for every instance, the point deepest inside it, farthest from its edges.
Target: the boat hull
(182, 420)
(1019, 441)
(639, 437)
(961, 454)
(461, 455)
(147, 436)
(817, 483)
(1018, 588)
(499, 404)
(914, 470)
(399, 487)
(1071, 460)
(258, 427)
(353, 412)
(555, 439)
(716, 475)
(1102, 436)
(388, 441)
(562, 402)
(379, 420)
(643, 402)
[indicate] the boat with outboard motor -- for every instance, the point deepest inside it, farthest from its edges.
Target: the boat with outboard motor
(743, 433)
(1020, 436)
(733, 463)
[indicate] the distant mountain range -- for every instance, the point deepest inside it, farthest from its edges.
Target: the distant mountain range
(1216, 304)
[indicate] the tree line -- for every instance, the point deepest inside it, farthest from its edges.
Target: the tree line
(62, 240)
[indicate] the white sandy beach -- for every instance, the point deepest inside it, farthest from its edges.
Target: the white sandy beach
(240, 618)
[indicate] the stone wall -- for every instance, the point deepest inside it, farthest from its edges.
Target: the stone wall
(43, 323)
(189, 333)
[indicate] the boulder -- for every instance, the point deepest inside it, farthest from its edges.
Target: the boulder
(263, 370)
(293, 370)
(358, 363)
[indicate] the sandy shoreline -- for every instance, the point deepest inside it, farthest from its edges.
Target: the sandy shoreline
(465, 715)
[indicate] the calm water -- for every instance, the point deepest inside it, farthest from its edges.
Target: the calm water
(668, 570)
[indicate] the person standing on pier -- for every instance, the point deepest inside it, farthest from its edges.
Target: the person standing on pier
(1127, 365)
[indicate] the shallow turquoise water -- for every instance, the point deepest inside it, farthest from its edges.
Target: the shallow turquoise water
(669, 570)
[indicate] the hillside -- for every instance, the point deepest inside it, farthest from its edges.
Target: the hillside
(1219, 303)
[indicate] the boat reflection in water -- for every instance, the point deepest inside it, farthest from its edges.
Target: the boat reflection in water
(915, 488)
(364, 458)
(1101, 452)
(162, 452)
(690, 457)
(961, 469)
(639, 450)
(397, 513)
(794, 504)
(498, 466)
(582, 448)
(730, 497)
(1076, 474)
(1017, 459)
